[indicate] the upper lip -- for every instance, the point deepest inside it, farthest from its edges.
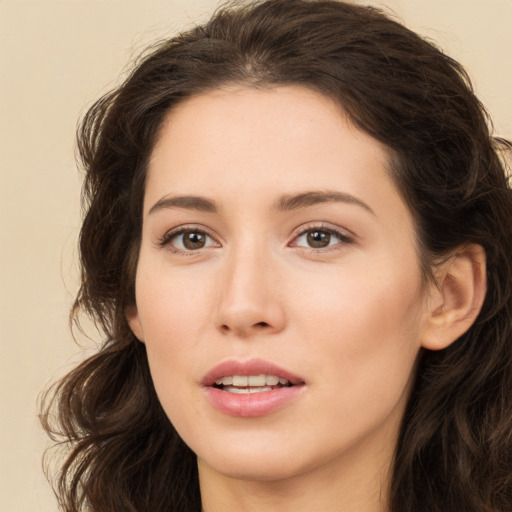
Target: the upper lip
(249, 367)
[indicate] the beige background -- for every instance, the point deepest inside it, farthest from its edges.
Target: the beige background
(58, 56)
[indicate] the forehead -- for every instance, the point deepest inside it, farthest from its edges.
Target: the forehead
(261, 140)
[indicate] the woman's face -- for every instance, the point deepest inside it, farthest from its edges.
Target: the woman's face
(278, 259)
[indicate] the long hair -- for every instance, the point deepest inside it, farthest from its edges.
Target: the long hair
(455, 447)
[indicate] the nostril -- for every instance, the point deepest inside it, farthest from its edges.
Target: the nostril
(259, 325)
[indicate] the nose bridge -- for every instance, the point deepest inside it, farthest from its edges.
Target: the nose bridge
(249, 299)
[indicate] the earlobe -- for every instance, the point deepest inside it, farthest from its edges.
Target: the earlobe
(132, 317)
(458, 297)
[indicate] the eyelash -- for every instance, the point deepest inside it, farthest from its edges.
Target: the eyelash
(343, 238)
(166, 239)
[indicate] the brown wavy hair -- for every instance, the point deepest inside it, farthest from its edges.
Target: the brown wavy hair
(455, 447)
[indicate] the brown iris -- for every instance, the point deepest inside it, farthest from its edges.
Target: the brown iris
(318, 239)
(193, 240)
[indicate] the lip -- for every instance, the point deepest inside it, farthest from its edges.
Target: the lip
(250, 367)
(254, 404)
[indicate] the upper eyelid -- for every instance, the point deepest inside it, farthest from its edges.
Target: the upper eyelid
(177, 230)
(298, 231)
(326, 226)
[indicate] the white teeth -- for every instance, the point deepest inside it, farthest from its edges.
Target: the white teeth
(240, 380)
(246, 391)
(226, 381)
(255, 381)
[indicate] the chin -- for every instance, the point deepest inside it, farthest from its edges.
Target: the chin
(256, 469)
(271, 459)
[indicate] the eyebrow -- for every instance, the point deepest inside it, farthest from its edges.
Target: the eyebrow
(313, 198)
(285, 203)
(200, 204)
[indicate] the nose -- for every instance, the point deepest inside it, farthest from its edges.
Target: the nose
(250, 296)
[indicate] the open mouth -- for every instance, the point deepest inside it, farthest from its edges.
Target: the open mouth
(248, 384)
(251, 388)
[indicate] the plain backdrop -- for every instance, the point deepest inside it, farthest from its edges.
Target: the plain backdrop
(56, 57)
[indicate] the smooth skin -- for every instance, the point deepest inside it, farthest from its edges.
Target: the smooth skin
(272, 230)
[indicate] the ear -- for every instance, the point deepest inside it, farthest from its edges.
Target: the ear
(132, 317)
(456, 297)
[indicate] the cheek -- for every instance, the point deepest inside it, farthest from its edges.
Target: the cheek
(364, 328)
(173, 313)
(171, 339)
(172, 306)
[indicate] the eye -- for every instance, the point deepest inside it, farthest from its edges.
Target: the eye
(320, 238)
(188, 239)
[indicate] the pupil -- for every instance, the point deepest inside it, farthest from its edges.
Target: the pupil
(318, 239)
(193, 240)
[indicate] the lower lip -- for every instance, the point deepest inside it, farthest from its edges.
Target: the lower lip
(251, 405)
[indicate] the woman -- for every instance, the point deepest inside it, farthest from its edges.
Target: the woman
(297, 243)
